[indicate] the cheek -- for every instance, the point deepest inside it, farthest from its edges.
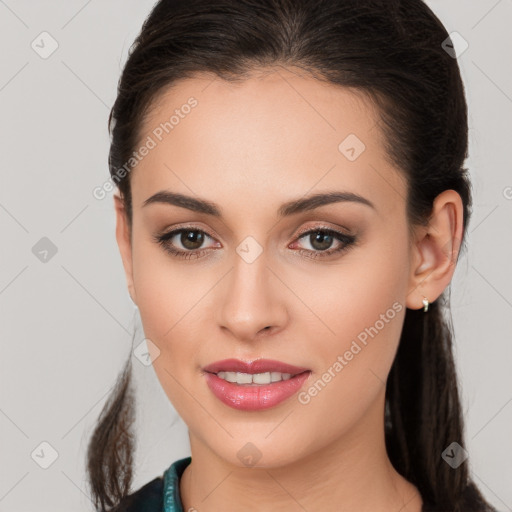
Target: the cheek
(165, 290)
(362, 303)
(168, 299)
(169, 309)
(352, 295)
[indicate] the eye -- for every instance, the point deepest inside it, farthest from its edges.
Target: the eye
(322, 238)
(190, 239)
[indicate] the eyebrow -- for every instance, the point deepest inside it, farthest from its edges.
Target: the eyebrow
(289, 208)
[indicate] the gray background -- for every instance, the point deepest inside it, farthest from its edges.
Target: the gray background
(66, 323)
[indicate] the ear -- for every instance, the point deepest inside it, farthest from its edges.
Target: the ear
(435, 250)
(124, 243)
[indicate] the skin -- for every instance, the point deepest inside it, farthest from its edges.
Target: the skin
(249, 147)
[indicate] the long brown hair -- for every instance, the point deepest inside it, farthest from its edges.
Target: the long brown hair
(392, 50)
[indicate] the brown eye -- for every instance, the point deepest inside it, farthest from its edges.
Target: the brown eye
(191, 239)
(321, 239)
(184, 242)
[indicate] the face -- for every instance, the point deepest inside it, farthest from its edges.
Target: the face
(323, 286)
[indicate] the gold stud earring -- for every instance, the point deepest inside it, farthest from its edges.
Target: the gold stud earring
(425, 304)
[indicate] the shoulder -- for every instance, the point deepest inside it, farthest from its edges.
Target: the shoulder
(149, 498)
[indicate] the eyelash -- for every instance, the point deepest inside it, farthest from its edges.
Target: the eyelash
(347, 242)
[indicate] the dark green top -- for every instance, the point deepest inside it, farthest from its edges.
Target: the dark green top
(171, 490)
(162, 494)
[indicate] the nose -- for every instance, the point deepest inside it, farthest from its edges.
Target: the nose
(251, 301)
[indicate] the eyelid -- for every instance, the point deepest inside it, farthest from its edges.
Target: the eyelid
(323, 226)
(184, 227)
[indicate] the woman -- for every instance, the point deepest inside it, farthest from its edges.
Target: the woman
(292, 203)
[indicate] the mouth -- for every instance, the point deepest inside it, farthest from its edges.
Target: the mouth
(255, 385)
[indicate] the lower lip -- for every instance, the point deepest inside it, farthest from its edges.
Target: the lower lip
(254, 397)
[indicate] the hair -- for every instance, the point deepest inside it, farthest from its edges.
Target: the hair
(391, 51)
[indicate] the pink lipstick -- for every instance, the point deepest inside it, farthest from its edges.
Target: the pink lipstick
(256, 385)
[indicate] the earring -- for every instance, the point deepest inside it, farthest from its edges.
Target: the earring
(425, 304)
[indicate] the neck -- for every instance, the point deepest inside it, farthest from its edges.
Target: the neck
(352, 472)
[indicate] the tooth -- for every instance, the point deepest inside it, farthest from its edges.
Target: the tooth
(261, 378)
(230, 376)
(244, 378)
(275, 376)
(286, 376)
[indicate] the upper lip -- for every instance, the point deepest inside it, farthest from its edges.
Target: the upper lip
(256, 366)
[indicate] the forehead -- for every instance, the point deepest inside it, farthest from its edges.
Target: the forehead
(276, 135)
